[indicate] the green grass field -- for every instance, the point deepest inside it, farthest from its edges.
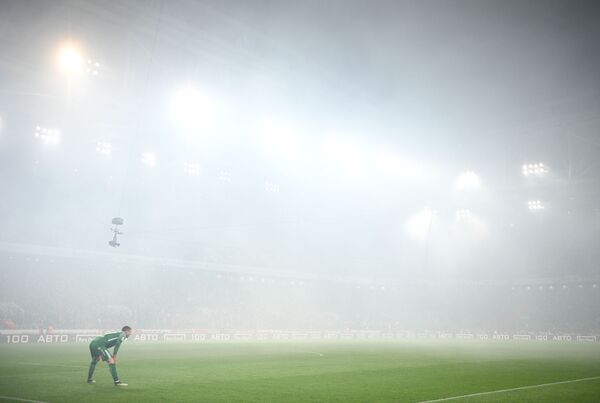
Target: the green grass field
(361, 371)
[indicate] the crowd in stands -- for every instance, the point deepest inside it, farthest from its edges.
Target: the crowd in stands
(80, 295)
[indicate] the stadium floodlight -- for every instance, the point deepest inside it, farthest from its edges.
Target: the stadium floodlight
(225, 176)
(535, 205)
(103, 148)
(467, 181)
(463, 214)
(271, 187)
(70, 59)
(537, 169)
(192, 168)
(47, 135)
(149, 159)
(190, 108)
(92, 67)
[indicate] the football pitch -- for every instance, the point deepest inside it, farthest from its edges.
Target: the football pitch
(286, 371)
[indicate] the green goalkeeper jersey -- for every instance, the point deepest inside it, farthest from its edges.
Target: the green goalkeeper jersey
(109, 340)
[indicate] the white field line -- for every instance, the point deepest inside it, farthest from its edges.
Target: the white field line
(542, 385)
(18, 399)
(305, 352)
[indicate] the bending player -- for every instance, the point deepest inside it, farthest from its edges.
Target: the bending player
(99, 350)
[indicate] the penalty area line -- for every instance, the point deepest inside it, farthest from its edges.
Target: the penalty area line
(542, 385)
(18, 399)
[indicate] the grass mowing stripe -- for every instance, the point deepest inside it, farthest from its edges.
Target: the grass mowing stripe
(306, 352)
(18, 399)
(52, 365)
(542, 385)
(291, 372)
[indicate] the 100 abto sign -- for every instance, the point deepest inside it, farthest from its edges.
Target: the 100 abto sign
(43, 338)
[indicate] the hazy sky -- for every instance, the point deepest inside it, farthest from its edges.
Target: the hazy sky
(442, 86)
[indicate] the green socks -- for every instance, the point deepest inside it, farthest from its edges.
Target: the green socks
(113, 371)
(111, 367)
(91, 370)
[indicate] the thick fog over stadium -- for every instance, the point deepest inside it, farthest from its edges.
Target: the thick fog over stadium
(300, 165)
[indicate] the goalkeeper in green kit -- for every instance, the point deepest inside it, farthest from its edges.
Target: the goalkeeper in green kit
(99, 350)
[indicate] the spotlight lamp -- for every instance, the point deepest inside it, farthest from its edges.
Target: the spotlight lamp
(537, 169)
(47, 135)
(92, 67)
(271, 187)
(463, 214)
(535, 205)
(225, 176)
(70, 59)
(148, 159)
(103, 147)
(192, 168)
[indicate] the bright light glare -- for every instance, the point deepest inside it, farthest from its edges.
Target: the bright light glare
(92, 67)
(468, 181)
(391, 164)
(538, 169)
(103, 148)
(191, 109)
(419, 226)
(46, 135)
(469, 226)
(345, 159)
(271, 187)
(149, 159)
(394, 167)
(463, 214)
(192, 169)
(225, 176)
(70, 59)
(279, 138)
(535, 205)
(343, 151)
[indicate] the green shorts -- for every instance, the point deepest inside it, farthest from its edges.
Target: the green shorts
(99, 351)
